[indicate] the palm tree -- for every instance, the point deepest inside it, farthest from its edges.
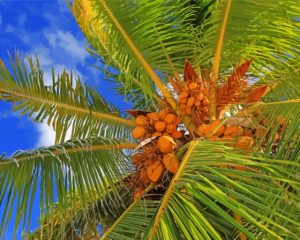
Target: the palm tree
(231, 172)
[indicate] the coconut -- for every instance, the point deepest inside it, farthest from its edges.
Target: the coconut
(204, 130)
(176, 134)
(138, 132)
(160, 126)
(170, 118)
(170, 128)
(166, 144)
(154, 171)
(162, 114)
(244, 143)
(233, 131)
(153, 116)
(144, 177)
(141, 121)
(171, 162)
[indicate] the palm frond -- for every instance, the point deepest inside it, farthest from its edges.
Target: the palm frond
(160, 31)
(133, 222)
(70, 171)
(101, 211)
(264, 31)
(64, 105)
(207, 191)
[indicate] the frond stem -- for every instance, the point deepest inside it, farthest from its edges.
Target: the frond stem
(69, 107)
(217, 60)
(165, 92)
(171, 188)
(125, 145)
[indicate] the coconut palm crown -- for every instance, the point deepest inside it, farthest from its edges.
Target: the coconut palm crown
(210, 149)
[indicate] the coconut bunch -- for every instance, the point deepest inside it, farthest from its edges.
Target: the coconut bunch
(153, 161)
(242, 136)
(192, 93)
(157, 157)
(155, 124)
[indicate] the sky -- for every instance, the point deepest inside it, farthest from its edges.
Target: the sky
(45, 28)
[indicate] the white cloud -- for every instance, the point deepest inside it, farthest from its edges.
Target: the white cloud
(47, 135)
(67, 42)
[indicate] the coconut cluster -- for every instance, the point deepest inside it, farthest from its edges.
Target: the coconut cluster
(157, 157)
(242, 137)
(192, 94)
(155, 124)
(218, 132)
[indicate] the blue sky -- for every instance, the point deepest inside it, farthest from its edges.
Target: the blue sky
(45, 28)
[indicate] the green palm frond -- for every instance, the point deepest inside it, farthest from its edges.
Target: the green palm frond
(102, 210)
(204, 195)
(160, 30)
(265, 31)
(64, 105)
(81, 167)
(133, 222)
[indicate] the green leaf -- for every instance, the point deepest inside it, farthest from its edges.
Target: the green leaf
(160, 30)
(204, 195)
(67, 104)
(72, 171)
(265, 31)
